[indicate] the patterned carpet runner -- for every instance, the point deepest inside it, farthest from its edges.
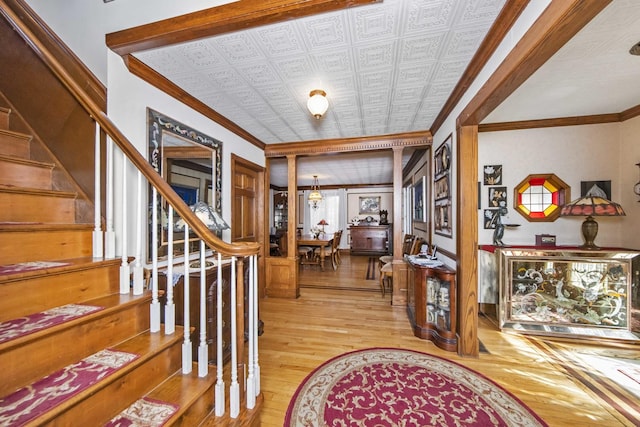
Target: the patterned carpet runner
(395, 387)
(29, 266)
(34, 400)
(145, 412)
(15, 328)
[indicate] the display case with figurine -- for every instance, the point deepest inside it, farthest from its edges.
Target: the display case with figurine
(576, 293)
(432, 304)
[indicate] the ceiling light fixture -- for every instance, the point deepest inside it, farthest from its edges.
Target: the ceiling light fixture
(635, 49)
(317, 103)
(315, 196)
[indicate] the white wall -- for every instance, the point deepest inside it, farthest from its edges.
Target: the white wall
(630, 175)
(574, 154)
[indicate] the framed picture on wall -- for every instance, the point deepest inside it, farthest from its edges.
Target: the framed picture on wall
(442, 218)
(492, 174)
(369, 205)
(497, 197)
(442, 158)
(419, 200)
(596, 188)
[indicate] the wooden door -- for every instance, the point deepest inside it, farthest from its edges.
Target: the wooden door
(246, 194)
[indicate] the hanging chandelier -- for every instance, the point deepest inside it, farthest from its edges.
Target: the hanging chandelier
(315, 196)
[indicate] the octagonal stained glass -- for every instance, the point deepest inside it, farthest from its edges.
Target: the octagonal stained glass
(540, 197)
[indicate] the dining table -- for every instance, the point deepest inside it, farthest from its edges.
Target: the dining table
(321, 241)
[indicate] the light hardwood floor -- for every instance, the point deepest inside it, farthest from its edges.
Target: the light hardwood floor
(300, 334)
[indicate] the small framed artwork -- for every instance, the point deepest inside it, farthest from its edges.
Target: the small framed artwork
(442, 219)
(188, 194)
(441, 188)
(492, 175)
(490, 218)
(596, 188)
(497, 197)
(442, 158)
(419, 200)
(369, 205)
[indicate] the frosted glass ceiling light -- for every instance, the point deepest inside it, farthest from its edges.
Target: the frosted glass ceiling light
(317, 103)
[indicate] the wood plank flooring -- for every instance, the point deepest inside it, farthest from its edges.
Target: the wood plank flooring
(300, 334)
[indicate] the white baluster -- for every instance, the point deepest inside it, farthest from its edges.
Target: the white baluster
(203, 349)
(110, 234)
(97, 197)
(256, 319)
(220, 400)
(170, 308)
(125, 273)
(251, 386)
(234, 389)
(187, 350)
(138, 279)
(154, 308)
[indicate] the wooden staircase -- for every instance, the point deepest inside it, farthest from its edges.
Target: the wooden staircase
(38, 223)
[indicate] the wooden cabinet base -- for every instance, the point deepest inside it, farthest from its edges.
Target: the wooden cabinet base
(431, 305)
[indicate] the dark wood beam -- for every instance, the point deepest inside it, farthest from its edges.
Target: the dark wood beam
(240, 15)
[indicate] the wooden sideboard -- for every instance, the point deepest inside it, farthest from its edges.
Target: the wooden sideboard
(371, 239)
(431, 305)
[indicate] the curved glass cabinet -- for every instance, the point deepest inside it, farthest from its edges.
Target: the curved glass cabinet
(589, 294)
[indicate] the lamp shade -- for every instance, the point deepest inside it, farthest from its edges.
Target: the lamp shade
(592, 206)
(317, 103)
(315, 196)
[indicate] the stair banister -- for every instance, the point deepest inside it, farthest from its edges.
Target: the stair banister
(237, 251)
(98, 250)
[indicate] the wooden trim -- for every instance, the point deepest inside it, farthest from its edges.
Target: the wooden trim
(146, 73)
(559, 22)
(630, 113)
(501, 26)
(367, 143)
(467, 240)
(562, 121)
(547, 123)
(42, 38)
(214, 21)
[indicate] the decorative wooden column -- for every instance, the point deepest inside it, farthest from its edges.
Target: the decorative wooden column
(400, 270)
(282, 272)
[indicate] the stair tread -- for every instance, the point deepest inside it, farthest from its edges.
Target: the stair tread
(110, 303)
(73, 264)
(143, 345)
(16, 134)
(42, 226)
(37, 191)
(182, 390)
(35, 163)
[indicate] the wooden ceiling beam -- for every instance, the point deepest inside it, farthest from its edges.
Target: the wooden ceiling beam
(560, 21)
(240, 15)
(346, 145)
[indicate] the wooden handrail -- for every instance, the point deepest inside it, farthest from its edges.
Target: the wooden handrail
(201, 230)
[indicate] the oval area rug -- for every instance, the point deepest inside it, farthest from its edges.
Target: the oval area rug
(396, 387)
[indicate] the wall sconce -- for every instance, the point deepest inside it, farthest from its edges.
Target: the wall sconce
(317, 103)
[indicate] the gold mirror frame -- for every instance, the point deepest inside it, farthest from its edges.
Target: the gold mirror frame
(540, 197)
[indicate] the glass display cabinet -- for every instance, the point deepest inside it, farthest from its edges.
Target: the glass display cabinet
(570, 293)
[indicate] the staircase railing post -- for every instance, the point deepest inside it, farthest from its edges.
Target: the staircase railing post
(219, 397)
(110, 235)
(203, 348)
(97, 215)
(125, 273)
(187, 350)
(138, 279)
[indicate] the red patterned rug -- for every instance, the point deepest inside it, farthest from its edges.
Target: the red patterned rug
(34, 400)
(29, 266)
(145, 412)
(395, 387)
(14, 328)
